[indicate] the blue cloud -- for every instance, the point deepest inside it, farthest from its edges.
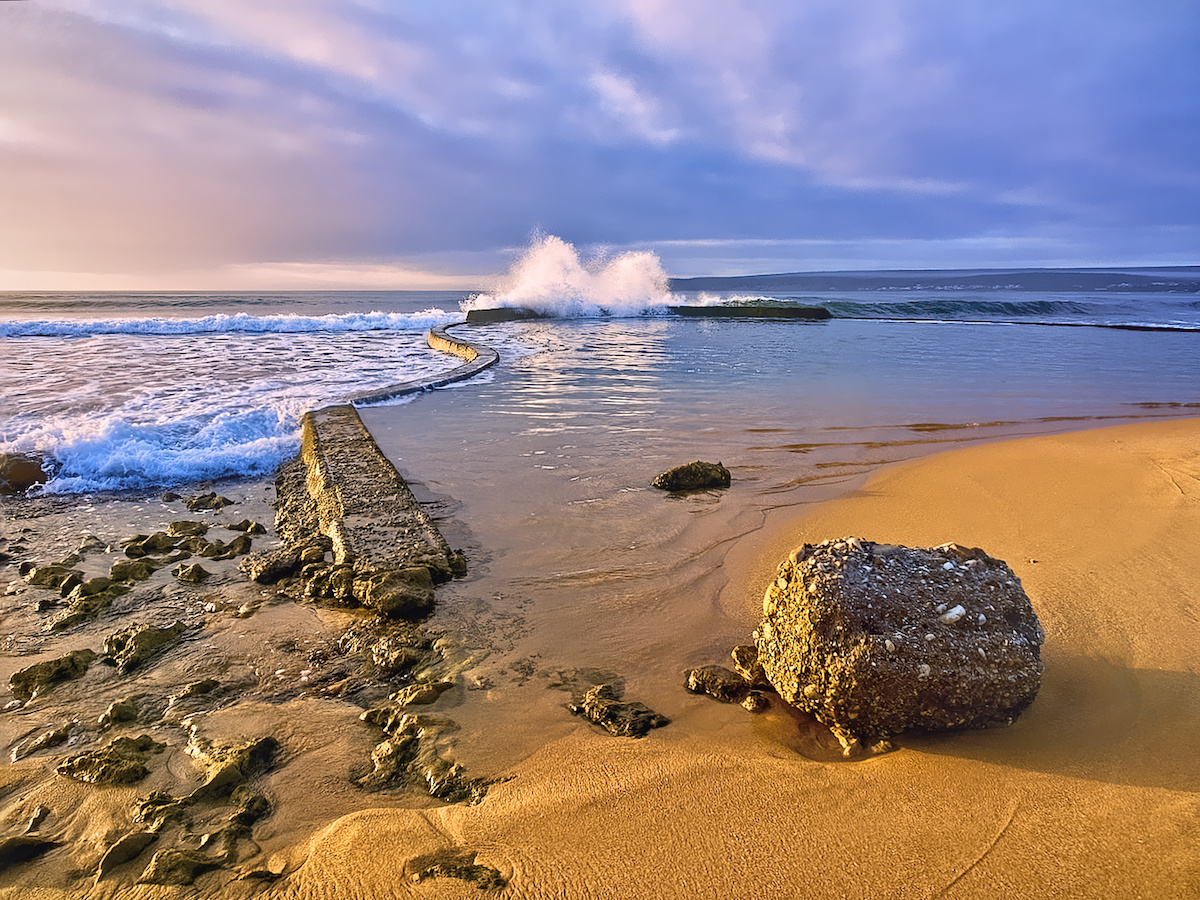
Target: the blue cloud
(169, 136)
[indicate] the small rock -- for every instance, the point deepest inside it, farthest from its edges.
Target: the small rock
(195, 689)
(719, 683)
(397, 594)
(210, 500)
(131, 570)
(178, 867)
(187, 529)
(44, 741)
(19, 472)
(121, 762)
(746, 664)
(48, 576)
(248, 527)
(756, 702)
(89, 543)
(624, 718)
(271, 566)
(125, 850)
(118, 711)
(193, 574)
(422, 693)
(695, 476)
(132, 646)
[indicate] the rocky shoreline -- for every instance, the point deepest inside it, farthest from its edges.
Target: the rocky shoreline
(106, 638)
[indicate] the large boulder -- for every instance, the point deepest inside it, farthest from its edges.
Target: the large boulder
(874, 640)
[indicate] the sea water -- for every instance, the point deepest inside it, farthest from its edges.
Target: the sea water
(540, 468)
(133, 391)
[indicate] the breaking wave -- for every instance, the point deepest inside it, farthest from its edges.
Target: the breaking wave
(237, 323)
(552, 279)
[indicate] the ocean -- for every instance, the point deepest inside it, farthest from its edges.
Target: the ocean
(141, 391)
(539, 469)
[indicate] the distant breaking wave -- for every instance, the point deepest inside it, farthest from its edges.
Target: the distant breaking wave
(550, 278)
(238, 323)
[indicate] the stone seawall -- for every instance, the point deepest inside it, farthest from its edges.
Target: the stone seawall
(342, 496)
(478, 357)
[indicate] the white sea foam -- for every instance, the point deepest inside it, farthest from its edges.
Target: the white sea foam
(224, 323)
(134, 403)
(115, 454)
(551, 278)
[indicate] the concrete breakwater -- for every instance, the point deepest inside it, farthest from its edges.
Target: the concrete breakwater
(342, 497)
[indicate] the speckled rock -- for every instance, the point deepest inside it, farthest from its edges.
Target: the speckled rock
(874, 640)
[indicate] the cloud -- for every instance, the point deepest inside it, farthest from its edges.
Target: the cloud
(170, 136)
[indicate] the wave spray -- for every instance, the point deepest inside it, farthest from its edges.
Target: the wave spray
(550, 278)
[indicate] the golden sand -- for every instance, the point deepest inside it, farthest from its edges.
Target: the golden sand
(1093, 793)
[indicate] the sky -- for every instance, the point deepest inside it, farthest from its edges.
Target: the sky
(276, 144)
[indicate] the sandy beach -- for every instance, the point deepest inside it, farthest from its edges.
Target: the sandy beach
(1093, 793)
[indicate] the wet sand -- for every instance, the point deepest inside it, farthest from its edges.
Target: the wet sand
(1092, 793)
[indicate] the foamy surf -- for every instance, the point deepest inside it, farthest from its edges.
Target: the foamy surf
(552, 279)
(237, 323)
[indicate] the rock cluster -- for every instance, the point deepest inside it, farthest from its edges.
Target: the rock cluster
(86, 598)
(874, 640)
(695, 476)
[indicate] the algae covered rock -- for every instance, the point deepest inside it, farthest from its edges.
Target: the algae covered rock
(34, 680)
(874, 640)
(132, 646)
(695, 476)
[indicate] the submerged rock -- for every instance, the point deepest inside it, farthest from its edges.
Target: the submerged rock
(177, 867)
(132, 646)
(229, 767)
(451, 863)
(695, 476)
(874, 640)
(193, 574)
(604, 705)
(121, 762)
(125, 850)
(35, 680)
(409, 756)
